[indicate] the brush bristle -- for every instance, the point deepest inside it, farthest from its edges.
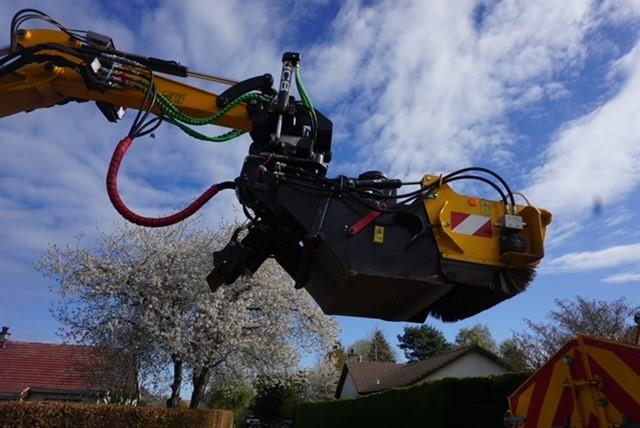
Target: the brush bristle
(467, 300)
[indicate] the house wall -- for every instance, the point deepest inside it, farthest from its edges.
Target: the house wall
(348, 388)
(471, 365)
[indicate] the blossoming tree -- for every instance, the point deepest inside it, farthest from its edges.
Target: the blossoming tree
(144, 292)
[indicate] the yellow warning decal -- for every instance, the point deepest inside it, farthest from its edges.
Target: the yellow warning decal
(378, 234)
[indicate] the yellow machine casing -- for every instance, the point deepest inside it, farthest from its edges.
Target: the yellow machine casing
(468, 229)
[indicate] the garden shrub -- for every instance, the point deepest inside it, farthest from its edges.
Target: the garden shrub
(447, 403)
(52, 414)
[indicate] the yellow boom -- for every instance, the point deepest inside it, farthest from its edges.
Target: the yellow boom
(44, 84)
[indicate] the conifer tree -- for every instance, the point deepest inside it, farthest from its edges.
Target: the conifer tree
(380, 349)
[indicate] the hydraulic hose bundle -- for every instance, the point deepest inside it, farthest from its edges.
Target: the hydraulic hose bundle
(94, 57)
(143, 126)
(124, 211)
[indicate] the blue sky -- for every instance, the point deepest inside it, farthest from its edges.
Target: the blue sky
(545, 93)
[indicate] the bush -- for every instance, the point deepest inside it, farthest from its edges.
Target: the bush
(50, 414)
(276, 398)
(447, 403)
(237, 398)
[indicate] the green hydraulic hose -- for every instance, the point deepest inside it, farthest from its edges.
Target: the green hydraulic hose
(306, 100)
(180, 119)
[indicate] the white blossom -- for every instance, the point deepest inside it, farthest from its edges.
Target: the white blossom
(144, 291)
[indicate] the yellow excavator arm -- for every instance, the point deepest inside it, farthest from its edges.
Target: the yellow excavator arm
(361, 246)
(44, 84)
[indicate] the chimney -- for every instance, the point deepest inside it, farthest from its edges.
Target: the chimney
(353, 357)
(4, 336)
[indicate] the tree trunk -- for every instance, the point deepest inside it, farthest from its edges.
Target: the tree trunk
(200, 379)
(176, 386)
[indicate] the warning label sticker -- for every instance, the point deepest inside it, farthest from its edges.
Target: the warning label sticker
(378, 234)
(471, 224)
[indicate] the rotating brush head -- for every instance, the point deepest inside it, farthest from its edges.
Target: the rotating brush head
(513, 281)
(467, 300)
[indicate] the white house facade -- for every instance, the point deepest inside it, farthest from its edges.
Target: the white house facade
(361, 378)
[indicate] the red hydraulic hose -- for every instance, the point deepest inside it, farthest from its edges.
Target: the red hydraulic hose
(119, 205)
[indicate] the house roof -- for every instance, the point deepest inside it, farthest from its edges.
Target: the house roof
(371, 377)
(368, 375)
(47, 365)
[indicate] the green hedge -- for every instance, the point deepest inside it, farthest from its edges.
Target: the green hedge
(447, 403)
(51, 414)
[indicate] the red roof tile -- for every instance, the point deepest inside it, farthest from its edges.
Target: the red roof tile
(46, 365)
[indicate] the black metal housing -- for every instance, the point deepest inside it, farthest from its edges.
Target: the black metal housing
(345, 240)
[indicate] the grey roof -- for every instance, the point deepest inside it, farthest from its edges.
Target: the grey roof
(369, 376)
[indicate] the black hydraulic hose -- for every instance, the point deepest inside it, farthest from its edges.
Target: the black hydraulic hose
(484, 180)
(488, 171)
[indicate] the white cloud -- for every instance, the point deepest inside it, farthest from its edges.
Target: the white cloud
(595, 158)
(618, 216)
(592, 260)
(620, 278)
(619, 12)
(556, 91)
(560, 232)
(234, 39)
(422, 88)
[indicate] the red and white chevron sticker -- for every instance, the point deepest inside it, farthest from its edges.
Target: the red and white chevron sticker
(471, 224)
